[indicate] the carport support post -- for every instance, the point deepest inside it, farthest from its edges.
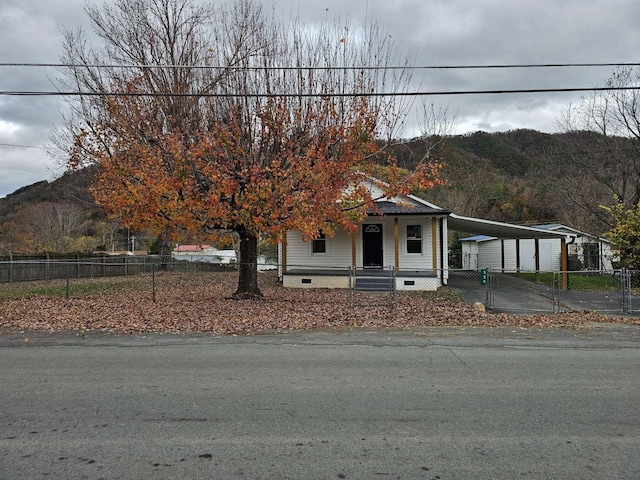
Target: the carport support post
(434, 245)
(537, 257)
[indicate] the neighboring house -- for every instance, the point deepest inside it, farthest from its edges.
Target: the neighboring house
(403, 241)
(204, 253)
(592, 252)
(582, 251)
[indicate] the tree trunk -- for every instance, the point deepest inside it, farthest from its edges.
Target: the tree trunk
(164, 250)
(248, 267)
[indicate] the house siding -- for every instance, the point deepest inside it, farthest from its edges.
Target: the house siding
(338, 253)
(490, 255)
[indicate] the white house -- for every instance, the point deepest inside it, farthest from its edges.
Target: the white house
(403, 242)
(581, 251)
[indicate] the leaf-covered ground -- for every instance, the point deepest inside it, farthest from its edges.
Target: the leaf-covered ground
(199, 302)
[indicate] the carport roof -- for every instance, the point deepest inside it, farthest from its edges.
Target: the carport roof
(480, 226)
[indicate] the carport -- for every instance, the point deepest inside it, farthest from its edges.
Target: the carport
(513, 294)
(478, 226)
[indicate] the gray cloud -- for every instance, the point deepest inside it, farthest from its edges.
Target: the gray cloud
(440, 32)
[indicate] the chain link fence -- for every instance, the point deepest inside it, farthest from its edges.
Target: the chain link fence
(25, 269)
(615, 291)
(69, 276)
(609, 292)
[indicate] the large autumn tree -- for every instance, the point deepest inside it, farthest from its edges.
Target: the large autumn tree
(204, 119)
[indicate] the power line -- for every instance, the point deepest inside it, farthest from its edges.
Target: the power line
(310, 68)
(18, 146)
(26, 93)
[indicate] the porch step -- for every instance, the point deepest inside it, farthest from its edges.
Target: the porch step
(373, 283)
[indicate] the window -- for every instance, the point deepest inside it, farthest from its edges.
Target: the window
(319, 245)
(414, 238)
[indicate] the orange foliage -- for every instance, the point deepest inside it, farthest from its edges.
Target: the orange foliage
(284, 167)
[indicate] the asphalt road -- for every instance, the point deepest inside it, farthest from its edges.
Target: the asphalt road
(424, 403)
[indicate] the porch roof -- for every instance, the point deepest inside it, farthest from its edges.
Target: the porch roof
(391, 208)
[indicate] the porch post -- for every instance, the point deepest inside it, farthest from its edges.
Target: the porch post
(284, 251)
(434, 245)
(396, 249)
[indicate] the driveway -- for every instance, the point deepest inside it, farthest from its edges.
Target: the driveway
(510, 294)
(517, 295)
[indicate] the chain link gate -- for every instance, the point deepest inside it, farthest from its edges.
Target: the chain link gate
(615, 296)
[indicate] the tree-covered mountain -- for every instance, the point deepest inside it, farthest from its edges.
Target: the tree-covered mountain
(520, 176)
(529, 177)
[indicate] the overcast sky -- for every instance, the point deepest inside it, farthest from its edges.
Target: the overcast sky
(441, 32)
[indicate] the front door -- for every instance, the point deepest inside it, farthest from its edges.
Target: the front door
(372, 245)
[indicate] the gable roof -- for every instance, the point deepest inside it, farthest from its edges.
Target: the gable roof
(558, 227)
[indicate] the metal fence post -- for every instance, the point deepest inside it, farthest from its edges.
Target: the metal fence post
(557, 286)
(153, 281)
(393, 284)
(488, 288)
(625, 290)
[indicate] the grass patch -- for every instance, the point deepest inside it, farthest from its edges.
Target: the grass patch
(443, 294)
(545, 278)
(588, 282)
(77, 287)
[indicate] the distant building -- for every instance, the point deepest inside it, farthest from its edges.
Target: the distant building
(584, 251)
(204, 253)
